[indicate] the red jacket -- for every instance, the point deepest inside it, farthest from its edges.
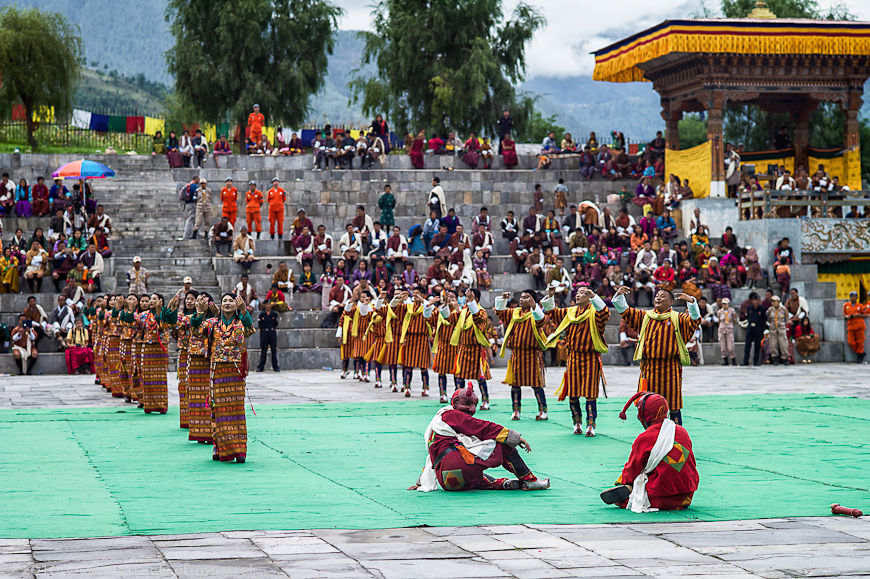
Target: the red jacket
(676, 474)
(462, 423)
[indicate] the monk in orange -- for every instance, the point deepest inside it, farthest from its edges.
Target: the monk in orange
(276, 196)
(255, 125)
(253, 202)
(855, 312)
(229, 197)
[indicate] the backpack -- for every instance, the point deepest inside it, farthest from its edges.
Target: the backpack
(185, 194)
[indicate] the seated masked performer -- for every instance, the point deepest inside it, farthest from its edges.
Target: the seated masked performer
(460, 448)
(660, 473)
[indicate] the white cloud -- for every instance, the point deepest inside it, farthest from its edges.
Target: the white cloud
(577, 27)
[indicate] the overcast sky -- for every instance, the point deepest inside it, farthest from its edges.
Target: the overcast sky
(577, 27)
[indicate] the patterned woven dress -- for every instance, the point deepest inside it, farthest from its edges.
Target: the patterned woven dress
(113, 357)
(155, 360)
(96, 328)
(125, 352)
(182, 338)
(229, 370)
(138, 343)
(198, 387)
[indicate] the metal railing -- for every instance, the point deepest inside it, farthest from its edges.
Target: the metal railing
(66, 135)
(777, 204)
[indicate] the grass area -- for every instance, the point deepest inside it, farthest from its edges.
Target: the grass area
(117, 471)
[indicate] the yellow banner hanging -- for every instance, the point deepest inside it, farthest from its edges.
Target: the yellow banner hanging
(695, 164)
(152, 125)
(847, 167)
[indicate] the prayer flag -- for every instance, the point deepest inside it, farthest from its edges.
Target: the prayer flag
(81, 119)
(117, 124)
(100, 123)
(152, 125)
(135, 124)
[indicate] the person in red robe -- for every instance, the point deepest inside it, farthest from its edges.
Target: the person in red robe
(416, 150)
(661, 473)
(509, 152)
(460, 448)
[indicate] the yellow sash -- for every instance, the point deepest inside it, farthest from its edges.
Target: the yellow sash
(375, 319)
(466, 322)
(345, 327)
(572, 317)
(391, 315)
(519, 317)
(674, 317)
(354, 329)
(406, 323)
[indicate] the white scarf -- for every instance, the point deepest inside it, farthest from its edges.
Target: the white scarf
(638, 501)
(482, 449)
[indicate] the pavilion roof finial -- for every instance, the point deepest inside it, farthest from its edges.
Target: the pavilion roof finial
(761, 11)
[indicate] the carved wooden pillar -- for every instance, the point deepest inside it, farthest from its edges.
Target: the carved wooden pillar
(715, 111)
(801, 138)
(851, 132)
(672, 134)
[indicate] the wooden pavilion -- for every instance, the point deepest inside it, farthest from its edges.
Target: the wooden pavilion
(781, 65)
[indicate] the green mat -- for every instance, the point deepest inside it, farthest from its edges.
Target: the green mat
(95, 472)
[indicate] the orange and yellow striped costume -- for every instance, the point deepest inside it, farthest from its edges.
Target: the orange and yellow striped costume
(526, 339)
(583, 368)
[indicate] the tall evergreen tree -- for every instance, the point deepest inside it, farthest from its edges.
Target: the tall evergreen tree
(39, 59)
(444, 64)
(229, 54)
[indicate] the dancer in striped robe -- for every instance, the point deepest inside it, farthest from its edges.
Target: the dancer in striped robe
(229, 362)
(526, 330)
(445, 353)
(360, 312)
(416, 329)
(469, 336)
(661, 346)
(375, 334)
(583, 325)
(389, 354)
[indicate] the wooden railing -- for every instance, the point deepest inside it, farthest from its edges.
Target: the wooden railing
(775, 204)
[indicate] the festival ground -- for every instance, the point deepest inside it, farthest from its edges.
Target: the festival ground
(328, 462)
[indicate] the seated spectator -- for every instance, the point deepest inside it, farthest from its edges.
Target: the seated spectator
(339, 296)
(37, 266)
(559, 283)
(666, 226)
(430, 228)
(185, 147)
(361, 150)
(854, 213)
(644, 194)
(79, 355)
(323, 246)
(463, 278)
(325, 148)
(568, 144)
(552, 231)
(77, 243)
(60, 321)
(361, 273)
(295, 145)
(307, 280)
(62, 263)
(200, 148)
(303, 244)
(7, 195)
(243, 249)
(23, 207)
(347, 150)
(481, 269)
(397, 249)
(276, 298)
(440, 245)
(410, 278)
(482, 241)
(222, 236)
(435, 145)
(39, 198)
(509, 227)
(711, 276)
(548, 146)
(246, 291)
(665, 276)
(221, 148)
(486, 153)
(646, 259)
(342, 270)
(350, 245)
(531, 222)
(263, 147)
(99, 219)
(158, 144)
(416, 246)
(9, 279)
(509, 152)
(534, 265)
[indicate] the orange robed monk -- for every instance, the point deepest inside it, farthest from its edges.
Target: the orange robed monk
(253, 202)
(229, 201)
(855, 312)
(276, 197)
(255, 125)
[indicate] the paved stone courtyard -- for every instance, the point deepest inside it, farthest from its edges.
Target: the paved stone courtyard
(819, 546)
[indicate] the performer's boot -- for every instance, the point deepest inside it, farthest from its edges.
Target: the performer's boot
(616, 495)
(724, 361)
(576, 414)
(591, 415)
(31, 362)
(344, 365)
(513, 462)
(394, 371)
(356, 371)
(542, 403)
(20, 367)
(457, 383)
(442, 388)
(516, 401)
(424, 376)
(407, 375)
(677, 417)
(484, 394)
(860, 358)
(378, 369)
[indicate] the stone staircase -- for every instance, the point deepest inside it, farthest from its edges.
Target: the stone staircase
(147, 217)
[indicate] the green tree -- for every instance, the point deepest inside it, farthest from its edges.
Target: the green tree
(40, 54)
(444, 64)
(693, 130)
(230, 54)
